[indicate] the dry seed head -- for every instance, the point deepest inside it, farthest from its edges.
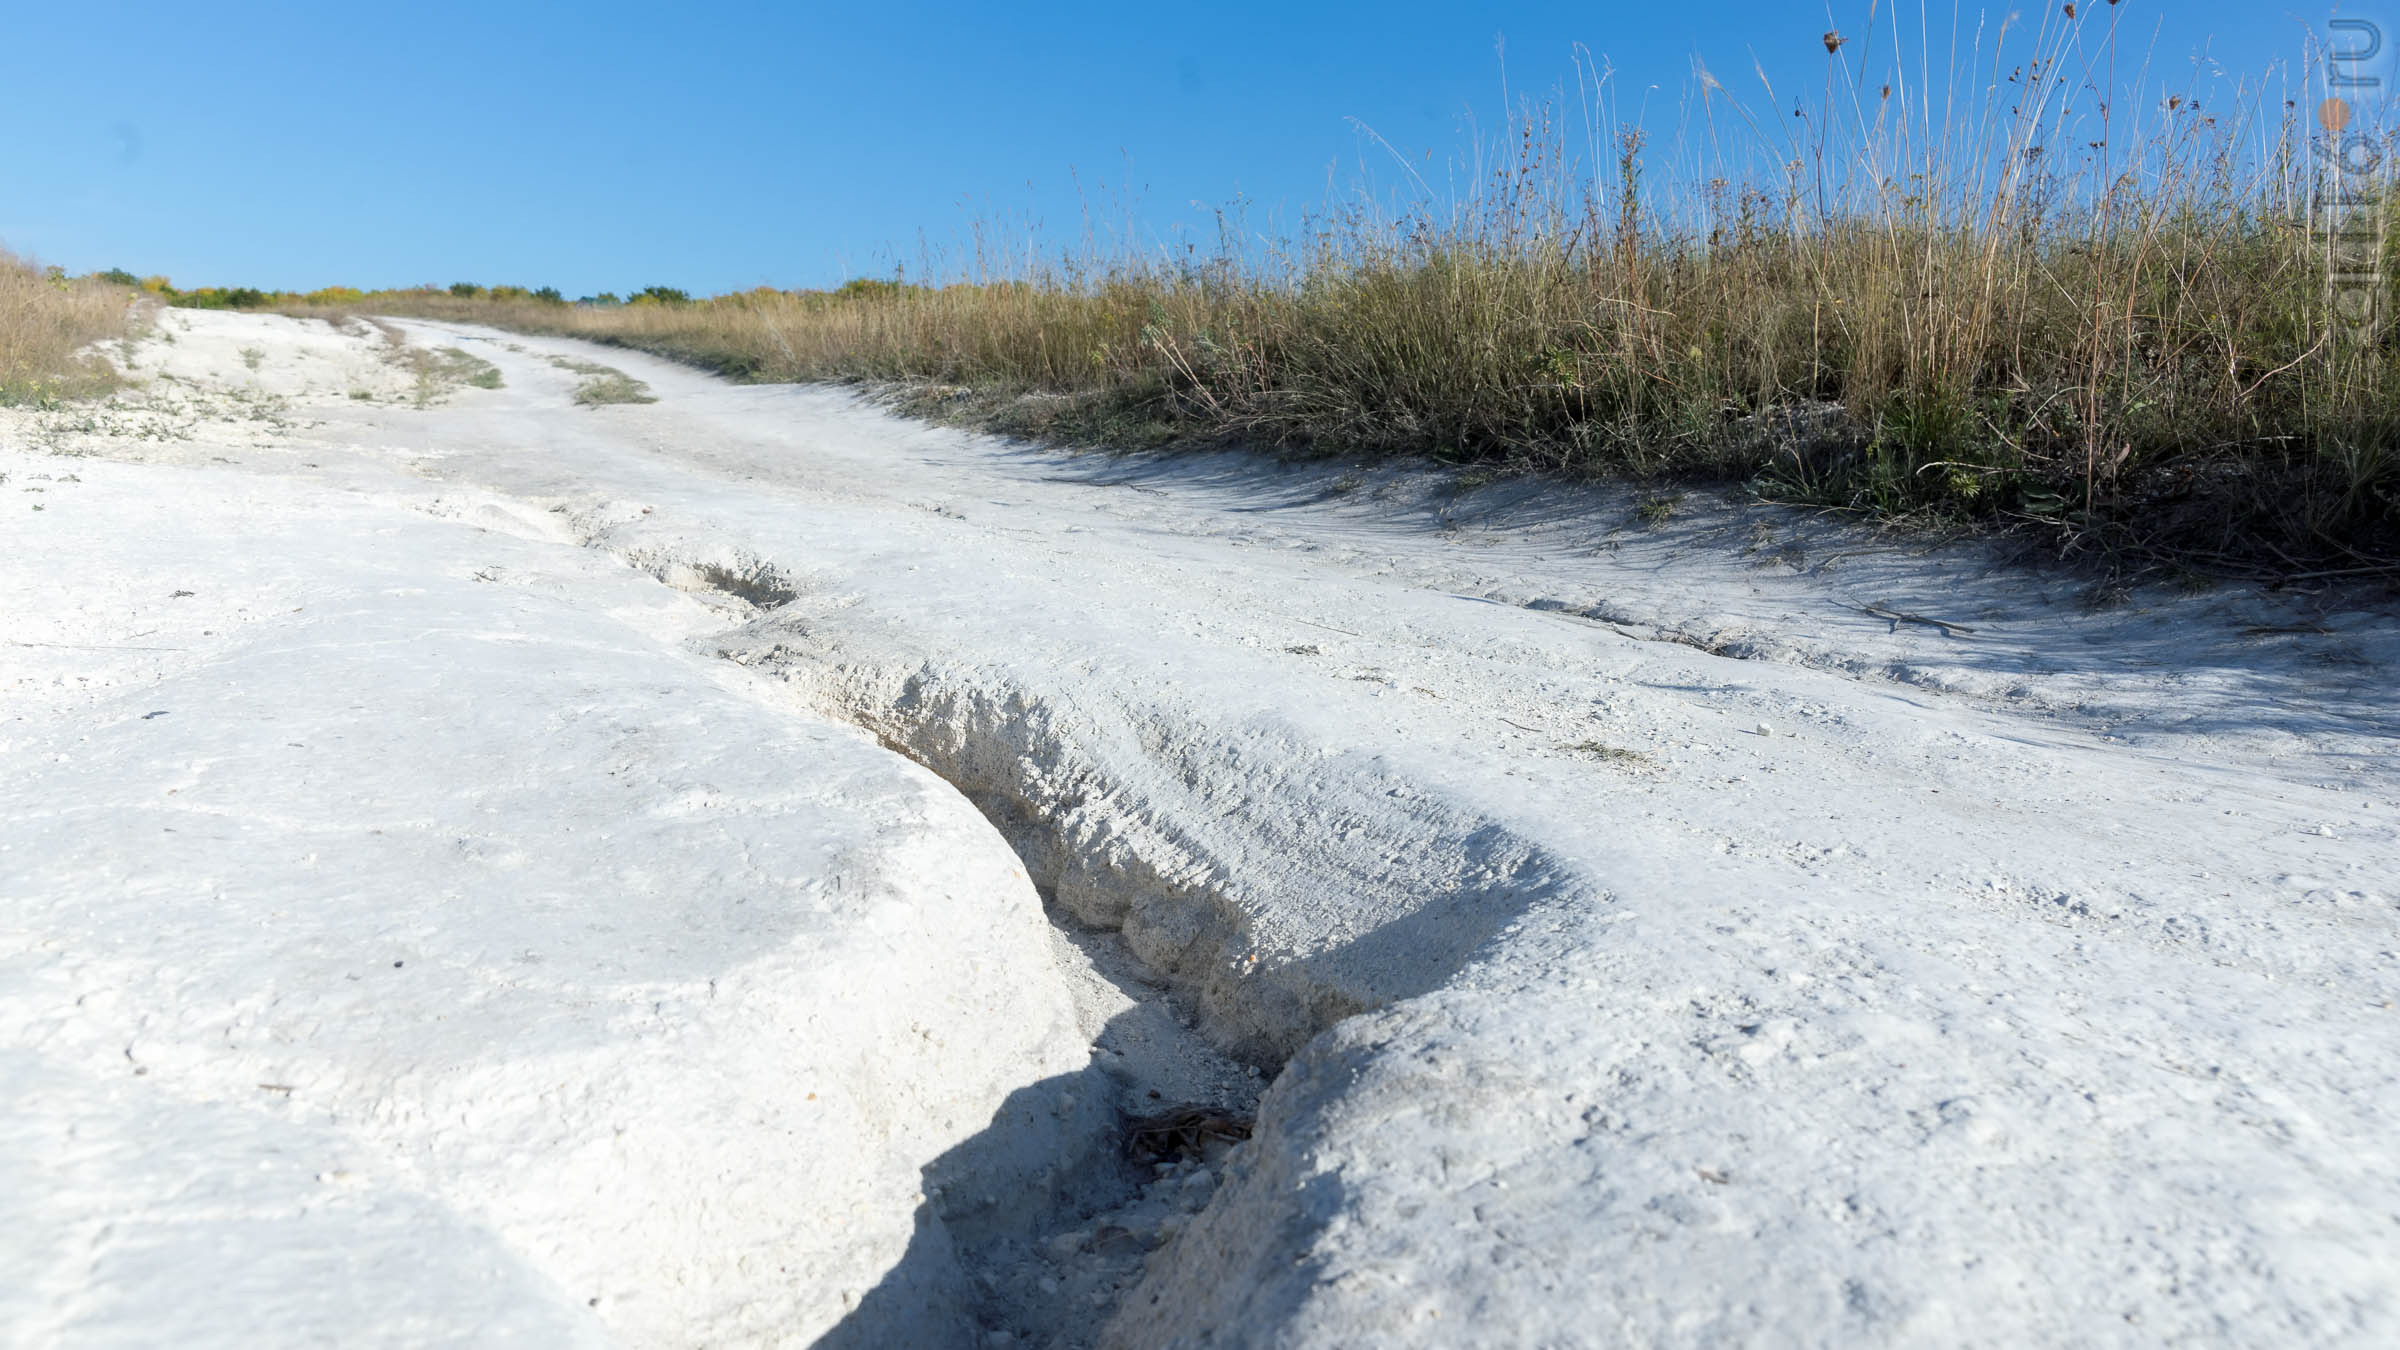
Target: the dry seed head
(1833, 43)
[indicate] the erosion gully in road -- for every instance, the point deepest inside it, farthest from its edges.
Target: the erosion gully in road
(739, 868)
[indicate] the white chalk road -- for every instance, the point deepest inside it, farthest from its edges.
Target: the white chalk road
(739, 870)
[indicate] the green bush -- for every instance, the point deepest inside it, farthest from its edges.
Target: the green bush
(220, 297)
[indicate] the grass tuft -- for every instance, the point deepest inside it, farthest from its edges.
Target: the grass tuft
(604, 384)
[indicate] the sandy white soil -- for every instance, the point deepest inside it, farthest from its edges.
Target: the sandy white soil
(1646, 942)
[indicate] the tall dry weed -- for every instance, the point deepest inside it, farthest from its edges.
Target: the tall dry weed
(47, 321)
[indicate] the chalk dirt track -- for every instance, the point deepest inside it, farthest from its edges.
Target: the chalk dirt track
(485, 870)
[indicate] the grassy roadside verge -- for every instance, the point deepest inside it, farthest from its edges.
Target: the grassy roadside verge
(2200, 418)
(47, 320)
(2107, 317)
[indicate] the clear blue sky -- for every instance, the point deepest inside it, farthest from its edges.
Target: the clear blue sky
(717, 145)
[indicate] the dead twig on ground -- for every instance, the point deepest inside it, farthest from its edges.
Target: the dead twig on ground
(1897, 618)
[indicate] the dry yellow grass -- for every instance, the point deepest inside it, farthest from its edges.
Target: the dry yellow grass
(2021, 306)
(46, 322)
(2171, 391)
